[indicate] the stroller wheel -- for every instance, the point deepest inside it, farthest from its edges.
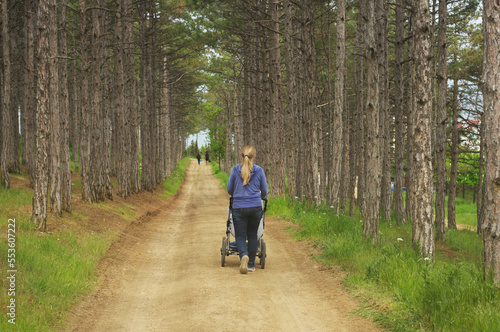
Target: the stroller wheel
(262, 254)
(223, 252)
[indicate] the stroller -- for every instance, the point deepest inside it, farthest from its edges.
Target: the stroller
(229, 248)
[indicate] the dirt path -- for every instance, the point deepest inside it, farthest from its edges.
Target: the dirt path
(165, 275)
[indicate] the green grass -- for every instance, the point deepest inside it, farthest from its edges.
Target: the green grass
(222, 176)
(174, 181)
(53, 271)
(396, 288)
(465, 242)
(465, 212)
(15, 197)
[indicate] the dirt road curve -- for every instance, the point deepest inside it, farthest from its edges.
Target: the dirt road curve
(165, 275)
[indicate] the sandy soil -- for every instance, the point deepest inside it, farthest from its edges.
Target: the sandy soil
(164, 274)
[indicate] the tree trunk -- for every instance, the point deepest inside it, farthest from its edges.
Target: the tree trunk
(122, 153)
(43, 55)
(399, 146)
(97, 155)
(64, 111)
(14, 165)
(84, 105)
(76, 114)
(442, 79)
(338, 110)
(480, 185)
(491, 93)
(55, 119)
(145, 104)
(291, 111)
(410, 109)
(373, 163)
(30, 93)
(358, 76)
(381, 21)
(229, 135)
(310, 109)
(276, 148)
(105, 77)
(238, 141)
(452, 193)
(131, 102)
(422, 180)
(6, 141)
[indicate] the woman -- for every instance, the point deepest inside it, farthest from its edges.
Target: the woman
(248, 186)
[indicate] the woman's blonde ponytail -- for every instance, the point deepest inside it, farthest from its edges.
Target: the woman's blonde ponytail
(247, 153)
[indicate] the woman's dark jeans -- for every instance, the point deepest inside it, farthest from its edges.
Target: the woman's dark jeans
(246, 223)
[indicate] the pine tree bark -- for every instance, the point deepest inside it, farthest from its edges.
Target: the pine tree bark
(480, 185)
(75, 110)
(97, 155)
(43, 55)
(423, 233)
(6, 125)
(276, 148)
(84, 105)
(410, 109)
(359, 79)
(373, 162)
(105, 77)
(346, 189)
(452, 193)
(30, 93)
(311, 111)
(441, 117)
(338, 110)
(291, 112)
(238, 142)
(129, 67)
(15, 81)
(246, 109)
(66, 189)
(490, 86)
(55, 119)
(165, 118)
(122, 153)
(399, 147)
(145, 104)
(229, 135)
(381, 13)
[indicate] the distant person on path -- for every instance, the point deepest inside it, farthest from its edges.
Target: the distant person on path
(198, 157)
(248, 186)
(207, 157)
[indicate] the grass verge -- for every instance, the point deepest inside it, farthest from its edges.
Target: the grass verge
(222, 176)
(174, 181)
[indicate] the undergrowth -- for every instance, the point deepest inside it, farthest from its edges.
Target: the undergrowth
(174, 181)
(399, 290)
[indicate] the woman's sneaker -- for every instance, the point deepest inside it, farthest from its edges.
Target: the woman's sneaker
(244, 265)
(251, 269)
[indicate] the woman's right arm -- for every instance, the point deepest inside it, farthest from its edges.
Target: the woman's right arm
(263, 185)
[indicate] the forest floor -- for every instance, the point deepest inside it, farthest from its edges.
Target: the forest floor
(163, 273)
